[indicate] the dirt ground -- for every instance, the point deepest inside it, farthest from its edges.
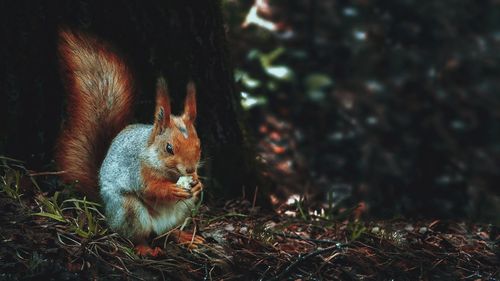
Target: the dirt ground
(52, 236)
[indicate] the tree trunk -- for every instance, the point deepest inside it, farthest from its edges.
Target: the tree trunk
(182, 40)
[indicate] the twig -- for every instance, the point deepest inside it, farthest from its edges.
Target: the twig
(46, 173)
(301, 259)
(255, 196)
(295, 236)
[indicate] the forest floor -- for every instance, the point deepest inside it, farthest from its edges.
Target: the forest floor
(50, 235)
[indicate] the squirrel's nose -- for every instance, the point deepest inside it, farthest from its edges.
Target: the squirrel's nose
(190, 170)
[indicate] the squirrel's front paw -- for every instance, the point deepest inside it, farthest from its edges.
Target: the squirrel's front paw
(196, 187)
(180, 193)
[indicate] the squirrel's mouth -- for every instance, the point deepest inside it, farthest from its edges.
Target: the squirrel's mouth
(173, 174)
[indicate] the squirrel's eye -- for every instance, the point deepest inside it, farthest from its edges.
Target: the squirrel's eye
(170, 149)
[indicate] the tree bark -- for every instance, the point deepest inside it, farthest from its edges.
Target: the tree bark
(181, 40)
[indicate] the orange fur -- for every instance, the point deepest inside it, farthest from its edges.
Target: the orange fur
(190, 103)
(99, 106)
(190, 152)
(162, 111)
(185, 141)
(159, 189)
(145, 250)
(189, 239)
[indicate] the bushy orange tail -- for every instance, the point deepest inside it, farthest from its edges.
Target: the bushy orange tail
(99, 106)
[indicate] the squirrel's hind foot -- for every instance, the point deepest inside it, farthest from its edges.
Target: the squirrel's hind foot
(146, 251)
(189, 239)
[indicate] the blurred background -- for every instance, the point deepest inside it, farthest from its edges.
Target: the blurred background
(393, 105)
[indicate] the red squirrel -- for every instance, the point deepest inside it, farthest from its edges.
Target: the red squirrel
(136, 169)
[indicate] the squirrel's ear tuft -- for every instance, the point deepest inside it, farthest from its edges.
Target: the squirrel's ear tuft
(162, 112)
(190, 103)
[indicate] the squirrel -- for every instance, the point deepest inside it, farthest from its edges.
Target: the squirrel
(135, 167)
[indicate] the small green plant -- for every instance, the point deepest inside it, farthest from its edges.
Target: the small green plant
(50, 207)
(89, 220)
(35, 263)
(356, 229)
(299, 205)
(10, 184)
(10, 180)
(83, 217)
(80, 216)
